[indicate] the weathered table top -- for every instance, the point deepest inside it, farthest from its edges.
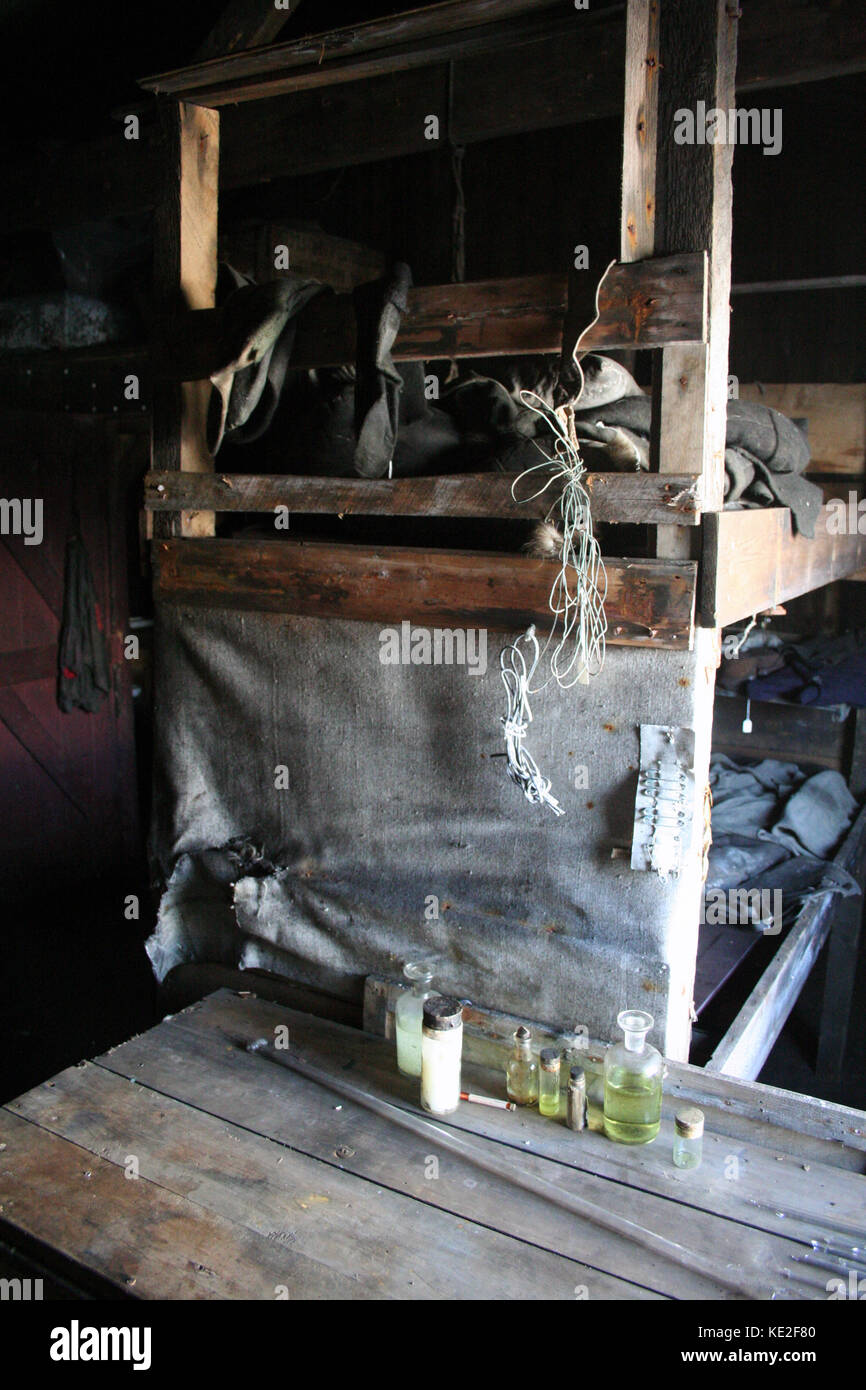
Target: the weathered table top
(181, 1166)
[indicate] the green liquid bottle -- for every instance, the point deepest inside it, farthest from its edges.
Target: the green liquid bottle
(521, 1073)
(633, 1082)
(548, 1083)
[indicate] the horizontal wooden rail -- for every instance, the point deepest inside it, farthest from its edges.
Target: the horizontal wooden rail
(752, 560)
(638, 498)
(646, 304)
(437, 33)
(650, 603)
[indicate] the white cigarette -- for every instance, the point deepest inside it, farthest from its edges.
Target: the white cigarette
(488, 1100)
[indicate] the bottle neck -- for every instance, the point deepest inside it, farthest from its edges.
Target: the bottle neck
(634, 1042)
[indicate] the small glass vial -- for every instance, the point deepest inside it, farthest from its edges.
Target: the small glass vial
(688, 1137)
(633, 1071)
(441, 1048)
(407, 1017)
(521, 1073)
(548, 1082)
(575, 1111)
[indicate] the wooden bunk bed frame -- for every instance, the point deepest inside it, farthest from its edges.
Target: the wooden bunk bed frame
(512, 65)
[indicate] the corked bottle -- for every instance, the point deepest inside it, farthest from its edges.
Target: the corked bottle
(548, 1082)
(575, 1111)
(441, 1049)
(688, 1137)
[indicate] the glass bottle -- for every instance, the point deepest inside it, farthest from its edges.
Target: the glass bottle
(548, 1082)
(633, 1072)
(575, 1114)
(688, 1137)
(441, 1048)
(521, 1073)
(408, 1015)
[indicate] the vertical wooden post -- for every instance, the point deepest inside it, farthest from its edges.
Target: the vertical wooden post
(677, 197)
(185, 271)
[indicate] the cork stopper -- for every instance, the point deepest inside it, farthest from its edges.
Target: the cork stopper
(689, 1123)
(549, 1058)
(522, 1034)
(577, 1077)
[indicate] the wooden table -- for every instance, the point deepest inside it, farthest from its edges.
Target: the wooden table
(180, 1166)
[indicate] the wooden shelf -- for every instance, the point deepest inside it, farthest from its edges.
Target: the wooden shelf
(638, 498)
(650, 603)
(753, 561)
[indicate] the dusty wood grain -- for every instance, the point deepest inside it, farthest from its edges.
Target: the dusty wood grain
(649, 602)
(185, 272)
(265, 1099)
(835, 416)
(615, 497)
(753, 561)
(323, 1232)
(178, 1058)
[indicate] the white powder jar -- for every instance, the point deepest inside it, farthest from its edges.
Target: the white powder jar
(441, 1048)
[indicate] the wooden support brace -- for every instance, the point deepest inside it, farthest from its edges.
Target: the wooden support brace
(185, 270)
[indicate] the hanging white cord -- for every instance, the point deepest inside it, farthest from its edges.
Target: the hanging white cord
(522, 767)
(580, 588)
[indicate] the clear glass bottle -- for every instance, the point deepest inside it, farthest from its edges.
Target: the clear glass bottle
(408, 1015)
(548, 1082)
(633, 1071)
(688, 1137)
(575, 1113)
(521, 1072)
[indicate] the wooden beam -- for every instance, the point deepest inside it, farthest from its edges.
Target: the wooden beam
(533, 85)
(185, 272)
(650, 602)
(245, 24)
(748, 1042)
(637, 498)
(782, 42)
(753, 560)
(801, 734)
(313, 254)
(836, 417)
(649, 304)
(397, 43)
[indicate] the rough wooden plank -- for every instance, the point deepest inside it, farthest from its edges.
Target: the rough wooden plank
(244, 24)
(835, 415)
(842, 955)
(650, 304)
(639, 1182)
(314, 254)
(416, 38)
(697, 46)
(144, 1239)
(749, 1040)
(798, 733)
(185, 272)
(615, 497)
(28, 664)
(782, 43)
(649, 602)
(340, 1236)
(532, 86)
(189, 1051)
(753, 561)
